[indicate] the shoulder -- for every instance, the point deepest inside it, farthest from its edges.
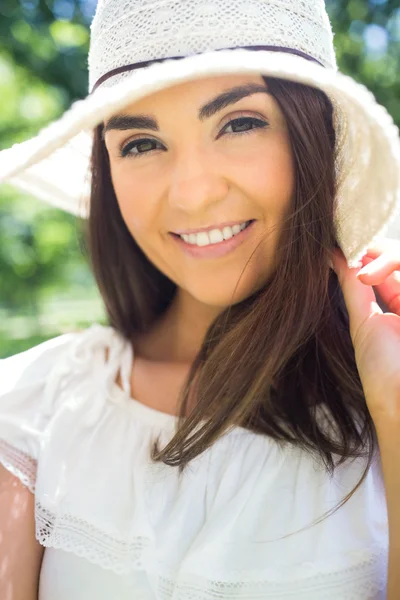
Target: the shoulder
(36, 364)
(32, 386)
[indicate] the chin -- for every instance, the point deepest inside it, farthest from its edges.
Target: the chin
(221, 290)
(221, 297)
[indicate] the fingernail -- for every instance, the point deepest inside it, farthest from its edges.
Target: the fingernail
(364, 271)
(367, 269)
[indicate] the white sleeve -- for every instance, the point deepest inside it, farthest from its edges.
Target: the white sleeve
(27, 383)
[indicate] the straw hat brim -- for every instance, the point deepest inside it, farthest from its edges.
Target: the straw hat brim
(55, 165)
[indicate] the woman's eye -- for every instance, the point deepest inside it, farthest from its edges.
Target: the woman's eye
(242, 124)
(138, 148)
(142, 147)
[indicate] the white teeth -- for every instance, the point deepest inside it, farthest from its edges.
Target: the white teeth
(228, 233)
(202, 239)
(235, 229)
(214, 236)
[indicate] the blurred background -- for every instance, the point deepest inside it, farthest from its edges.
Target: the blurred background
(46, 287)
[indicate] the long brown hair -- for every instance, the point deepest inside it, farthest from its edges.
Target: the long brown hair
(267, 363)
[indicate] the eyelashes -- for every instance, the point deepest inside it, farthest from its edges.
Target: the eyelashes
(142, 145)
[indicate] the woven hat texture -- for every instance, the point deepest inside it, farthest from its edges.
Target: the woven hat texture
(211, 38)
(145, 30)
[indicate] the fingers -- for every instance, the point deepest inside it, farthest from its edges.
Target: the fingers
(384, 274)
(389, 295)
(384, 246)
(389, 291)
(360, 298)
(376, 270)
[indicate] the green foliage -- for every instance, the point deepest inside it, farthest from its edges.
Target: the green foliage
(46, 285)
(367, 43)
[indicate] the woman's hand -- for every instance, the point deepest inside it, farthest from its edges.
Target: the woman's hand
(375, 335)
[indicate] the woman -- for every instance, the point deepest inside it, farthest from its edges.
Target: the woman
(223, 189)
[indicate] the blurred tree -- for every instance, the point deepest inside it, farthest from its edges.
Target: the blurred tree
(367, 43)
(43, 69)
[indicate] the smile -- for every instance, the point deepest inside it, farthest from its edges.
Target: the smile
(214, 236)
(214, 243)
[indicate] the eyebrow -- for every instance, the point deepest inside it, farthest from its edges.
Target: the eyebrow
(228, 97)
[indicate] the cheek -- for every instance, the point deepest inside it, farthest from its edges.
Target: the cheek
(136, 200)
(268, 178)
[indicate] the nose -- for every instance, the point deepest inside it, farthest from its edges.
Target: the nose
(196, 182)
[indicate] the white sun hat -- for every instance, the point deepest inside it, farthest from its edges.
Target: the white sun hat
(289, 39)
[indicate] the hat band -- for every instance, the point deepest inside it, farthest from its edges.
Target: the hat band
(140, 65)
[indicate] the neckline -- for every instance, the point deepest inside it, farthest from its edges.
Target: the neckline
(123, 397)
(153, 417)
(143, 411)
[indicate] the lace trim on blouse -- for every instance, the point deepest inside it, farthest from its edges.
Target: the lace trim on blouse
(19, 464)
(354, 574)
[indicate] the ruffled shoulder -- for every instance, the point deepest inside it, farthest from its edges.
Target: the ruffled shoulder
(29, 396)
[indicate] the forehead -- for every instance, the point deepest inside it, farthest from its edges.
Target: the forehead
(194, 92)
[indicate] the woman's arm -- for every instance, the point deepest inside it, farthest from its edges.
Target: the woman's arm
(20, 553)
(389, 443)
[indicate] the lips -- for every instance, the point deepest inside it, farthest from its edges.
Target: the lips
(217, 250)
(219, 226)
(214, 236)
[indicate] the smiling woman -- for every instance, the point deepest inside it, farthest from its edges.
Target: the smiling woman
(226, 163)
(207, 311)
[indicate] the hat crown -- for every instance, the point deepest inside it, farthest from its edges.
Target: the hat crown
(124, 32)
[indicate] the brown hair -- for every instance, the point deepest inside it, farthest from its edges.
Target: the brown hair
(269, 362)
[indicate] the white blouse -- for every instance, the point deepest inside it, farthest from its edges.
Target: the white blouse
(115, 525)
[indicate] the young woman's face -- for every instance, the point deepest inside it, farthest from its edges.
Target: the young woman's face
(191, 170)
